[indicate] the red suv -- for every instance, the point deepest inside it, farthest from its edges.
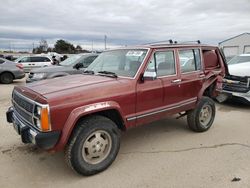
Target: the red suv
(122, 88)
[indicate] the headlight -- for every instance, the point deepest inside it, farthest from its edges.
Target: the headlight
(42, 118)
(39, 76)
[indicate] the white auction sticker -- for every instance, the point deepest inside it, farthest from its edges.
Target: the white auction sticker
(134, 53)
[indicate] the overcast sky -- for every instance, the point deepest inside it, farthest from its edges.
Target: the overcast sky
(125, 22)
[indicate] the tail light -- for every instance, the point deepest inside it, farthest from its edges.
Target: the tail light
(20, 66)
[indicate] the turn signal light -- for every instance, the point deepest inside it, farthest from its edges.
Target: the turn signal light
(45, 121)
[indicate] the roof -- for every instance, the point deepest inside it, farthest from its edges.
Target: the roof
(234, 37)
(179, 45)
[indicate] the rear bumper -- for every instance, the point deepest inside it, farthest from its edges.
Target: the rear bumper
(44, 140)
(19, 75)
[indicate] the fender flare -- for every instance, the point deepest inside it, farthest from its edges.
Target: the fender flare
(78, 113)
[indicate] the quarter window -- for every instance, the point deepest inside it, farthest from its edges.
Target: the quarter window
(190, 60)
(163, 63)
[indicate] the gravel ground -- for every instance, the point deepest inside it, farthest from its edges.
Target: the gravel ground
(160, 154)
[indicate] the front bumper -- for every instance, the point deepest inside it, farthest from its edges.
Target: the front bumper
(44, 140)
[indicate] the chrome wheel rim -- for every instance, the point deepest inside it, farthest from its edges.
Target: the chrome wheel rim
(97, 147)
(205, 115)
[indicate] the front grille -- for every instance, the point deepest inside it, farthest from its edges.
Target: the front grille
(23, 102)
(23, 107)
(236, 87)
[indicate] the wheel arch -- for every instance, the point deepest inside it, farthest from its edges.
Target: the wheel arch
(110, 110)
(208, 88)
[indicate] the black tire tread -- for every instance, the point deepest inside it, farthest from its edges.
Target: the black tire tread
(84, 125)
(192, 115)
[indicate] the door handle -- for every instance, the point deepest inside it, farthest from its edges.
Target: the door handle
(201, 75)
(176, 81)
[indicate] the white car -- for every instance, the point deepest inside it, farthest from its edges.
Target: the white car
(237, 84)
(31, 62)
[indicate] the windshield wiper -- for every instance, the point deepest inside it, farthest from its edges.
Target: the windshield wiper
(108, 73)
(88, 72)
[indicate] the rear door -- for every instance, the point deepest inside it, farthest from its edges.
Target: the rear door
(38, 61)
(25, 61)
(192, 74)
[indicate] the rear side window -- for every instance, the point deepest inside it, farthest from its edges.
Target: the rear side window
(25, 59)
(164, 63)
(40, 59)
(190, 60)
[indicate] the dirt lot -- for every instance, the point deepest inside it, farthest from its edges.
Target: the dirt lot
(161, 154)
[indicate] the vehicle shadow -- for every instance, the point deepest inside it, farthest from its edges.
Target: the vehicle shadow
(232, 105)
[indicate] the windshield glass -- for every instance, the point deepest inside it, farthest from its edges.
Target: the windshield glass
(239, 59)
(122, 62)
(71, 60)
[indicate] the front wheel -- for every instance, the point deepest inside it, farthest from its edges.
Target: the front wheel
(93, 146)
(202, 117)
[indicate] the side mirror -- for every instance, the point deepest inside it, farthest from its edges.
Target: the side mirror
(78, 66)
(149, 75)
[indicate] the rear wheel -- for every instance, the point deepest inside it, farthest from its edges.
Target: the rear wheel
(93, 146)
(6, 78)
(202, 117)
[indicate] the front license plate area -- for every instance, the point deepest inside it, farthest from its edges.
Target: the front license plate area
(16, 127)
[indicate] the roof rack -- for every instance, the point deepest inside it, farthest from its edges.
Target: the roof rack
(191, 41)
(164, 42)
(170, 41)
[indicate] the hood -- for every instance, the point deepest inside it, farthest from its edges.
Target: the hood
(241, 69)
(54, 68)
(68, 83)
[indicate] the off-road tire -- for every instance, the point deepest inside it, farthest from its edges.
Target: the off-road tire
(6, 78)
(194, 116)
(74, 148)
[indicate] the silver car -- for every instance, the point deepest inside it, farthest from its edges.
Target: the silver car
(10, 71)
(35, 61)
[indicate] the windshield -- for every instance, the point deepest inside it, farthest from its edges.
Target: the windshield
(239, 59)
(122, 62)
(71, 60)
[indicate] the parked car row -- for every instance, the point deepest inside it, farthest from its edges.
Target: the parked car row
(40, 67)
(236, 84)
(72, 65)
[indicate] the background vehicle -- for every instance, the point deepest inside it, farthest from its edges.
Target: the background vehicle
(73, 65)
(237, 84)
(10, 71)
(122, 88)
(30, 62)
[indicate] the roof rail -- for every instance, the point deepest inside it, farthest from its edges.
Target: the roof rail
(170, 41)
(164, 42)
(191, 41)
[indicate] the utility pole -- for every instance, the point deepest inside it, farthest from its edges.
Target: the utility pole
(105, 42)
(92, 46)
